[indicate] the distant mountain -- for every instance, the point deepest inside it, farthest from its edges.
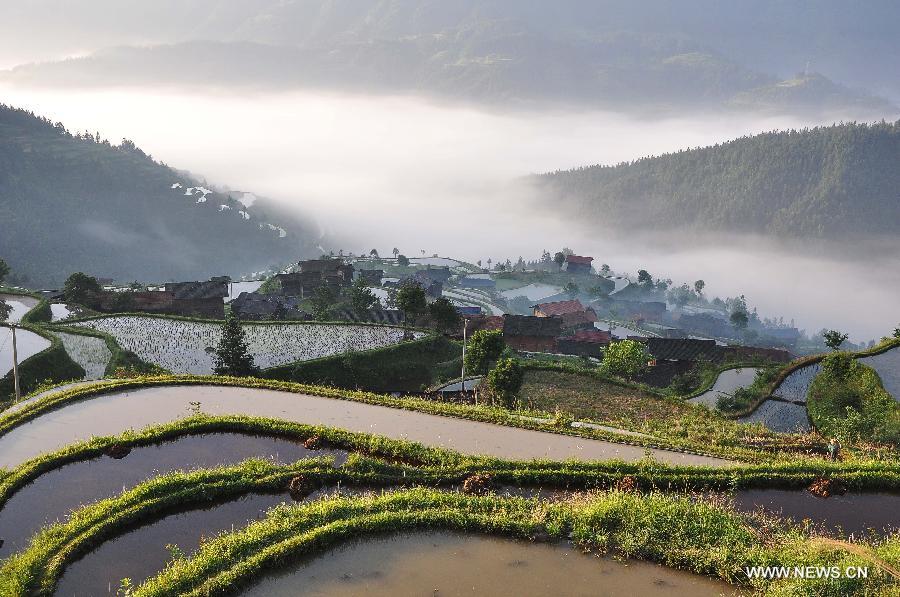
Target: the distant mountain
(647, 56)
(72, 203)
(830, 182)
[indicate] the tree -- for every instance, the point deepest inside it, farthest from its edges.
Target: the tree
(444, 315)
(833, 339)
(81, 289)
(4, 271)
(699, 285)
(483, 348)
(625, 359)
(680, 295)
(374, 253)
(411, 300)
(280, 313)
(897, 332)
(361, 297)
(402, 260)
(396, 252)
(645, 279)
(321, 300)
(571, 289)
(505, 381)
(739, 319)
(232, 354)
(604, 269)
(559, 258)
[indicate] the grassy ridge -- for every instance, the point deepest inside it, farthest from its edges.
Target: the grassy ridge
(405, 367)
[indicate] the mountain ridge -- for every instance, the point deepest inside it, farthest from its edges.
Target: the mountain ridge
(74, 202)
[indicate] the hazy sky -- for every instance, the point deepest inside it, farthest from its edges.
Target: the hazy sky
(398, 171)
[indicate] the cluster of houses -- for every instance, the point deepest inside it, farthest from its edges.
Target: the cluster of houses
(567, 327)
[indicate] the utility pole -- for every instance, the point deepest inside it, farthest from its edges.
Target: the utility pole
(15, 364)
(465, 324)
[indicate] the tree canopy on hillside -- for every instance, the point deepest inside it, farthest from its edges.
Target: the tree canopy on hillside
(834, 181)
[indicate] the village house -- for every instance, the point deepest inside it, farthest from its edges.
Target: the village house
(576, 264)
(315, 273)
(585, 343)
(372, 277)
(531, 334)
(433, 288)
(478, 283)
(264, 307)
(189, 299)
(572, 314)
(440, 273)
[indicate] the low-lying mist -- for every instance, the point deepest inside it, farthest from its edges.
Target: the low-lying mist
(402, 172)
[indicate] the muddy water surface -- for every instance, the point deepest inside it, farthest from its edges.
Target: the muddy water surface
(851, 513)
(54, 494)
(887, 364)
(113, 413)
(142, 553)
(444, 564)
(727, 383)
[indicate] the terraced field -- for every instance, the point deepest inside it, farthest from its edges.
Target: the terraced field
(186, 347)
(194, 517)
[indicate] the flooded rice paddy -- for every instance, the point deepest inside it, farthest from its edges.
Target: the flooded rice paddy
(727, 383)
(445, 563)
(27, 344)
(55, 493)
(186, 347)
(20, 306)
(113, 413)
(785, 417)
(795, 386)
(142, 552)
(854, 513)
(89, 352)
(887, 364)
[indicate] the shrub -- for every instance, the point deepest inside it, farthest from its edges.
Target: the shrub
(505, 380)
(625, 359)
(483, 349)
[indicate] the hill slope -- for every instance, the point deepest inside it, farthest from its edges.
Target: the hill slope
(838, 181)
(72, 203)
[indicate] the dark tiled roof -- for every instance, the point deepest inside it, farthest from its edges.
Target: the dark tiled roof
(197, 290)
(682, 349)
(591, 336)
(578, 318)
(579, 259)
(388, 316)
(526, 325)
(560, 308)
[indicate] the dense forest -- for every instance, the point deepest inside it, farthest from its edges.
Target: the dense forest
(835, 181)
(73, 202)
(606, 54)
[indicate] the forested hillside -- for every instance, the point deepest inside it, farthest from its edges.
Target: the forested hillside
(837, 181)
(77, 203)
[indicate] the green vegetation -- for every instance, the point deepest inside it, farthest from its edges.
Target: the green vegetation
(232, 354)
(625, 359)
(505, 380)
(847, 401)
(833, 181)
(483, 349)
(411, 300)
(96, 194)
(405, 367)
